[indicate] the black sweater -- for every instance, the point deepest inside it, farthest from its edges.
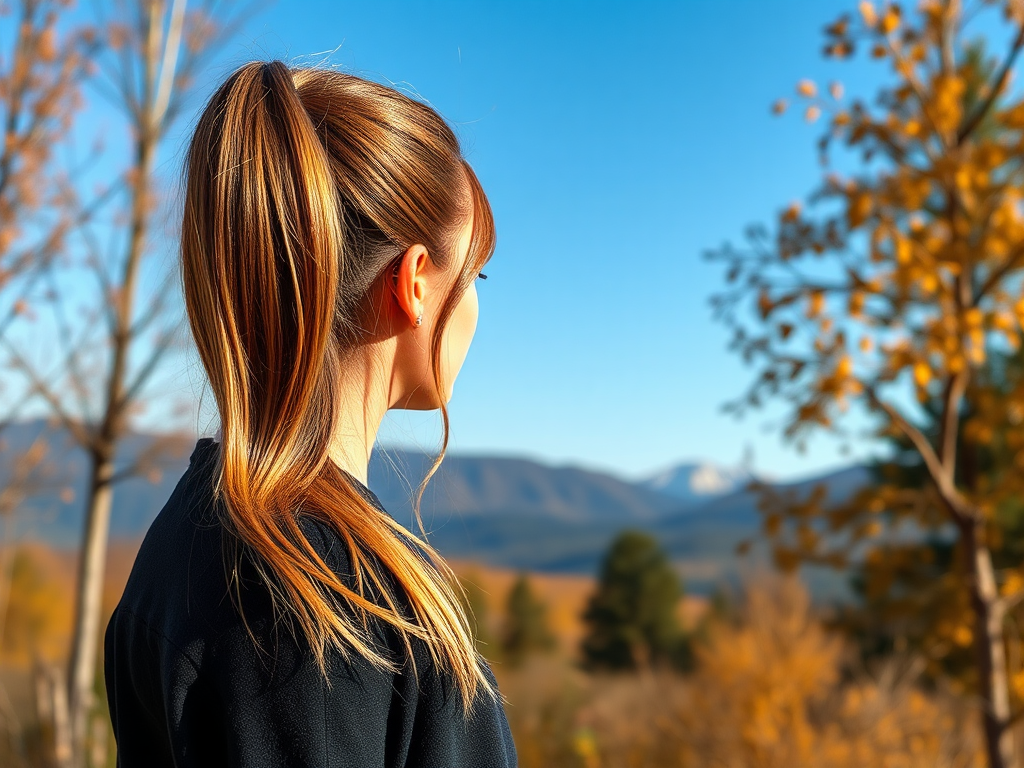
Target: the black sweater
(187, 686)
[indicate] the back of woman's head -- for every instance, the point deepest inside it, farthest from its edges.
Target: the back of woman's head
(302, 187)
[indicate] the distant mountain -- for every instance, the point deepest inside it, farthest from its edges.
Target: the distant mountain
(511, 487)
(508, 512)
(695, 483)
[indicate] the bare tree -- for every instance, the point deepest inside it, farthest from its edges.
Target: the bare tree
(109, 355)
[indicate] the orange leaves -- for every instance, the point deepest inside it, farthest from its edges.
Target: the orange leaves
(922, 373)
(807, 88)
(858, 207)
(812, 113)
(890, 21)
(901, 249)
(855, 306)
(815, 303)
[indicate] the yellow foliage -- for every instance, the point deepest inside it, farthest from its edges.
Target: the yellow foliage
(1013, 583)
(963, 636)
(922, 374)
(890, 21)
(815, 304)
(807, 88)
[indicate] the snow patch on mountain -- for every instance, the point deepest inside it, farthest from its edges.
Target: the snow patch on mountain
(693, 482)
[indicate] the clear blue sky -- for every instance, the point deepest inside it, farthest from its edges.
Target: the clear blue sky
(617, 142)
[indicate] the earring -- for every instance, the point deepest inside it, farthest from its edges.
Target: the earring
(419, 319)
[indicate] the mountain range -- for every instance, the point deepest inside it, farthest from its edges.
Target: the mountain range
(504, 511)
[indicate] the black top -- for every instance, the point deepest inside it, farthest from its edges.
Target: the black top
(187, 686)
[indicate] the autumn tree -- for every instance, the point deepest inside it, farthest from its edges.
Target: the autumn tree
(42, 70)
(895, 288)
(112, 321)
(631, 617)
(526, 629)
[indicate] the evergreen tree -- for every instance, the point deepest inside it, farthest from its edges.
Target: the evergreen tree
(526, 625)
(631, 618)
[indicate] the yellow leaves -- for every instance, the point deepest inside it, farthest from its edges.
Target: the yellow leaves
(890, 21)
(922, 373)
(866, 344)
(856, 304)
(1004, 321)
(977, 432)
(585, 746)
(947, 108)
(867, 12)
(902, 250)
(963, 636)
(1013, 584)
(807, 88)
(858, 208)
(815, 304)
(812, 113)
(1017, 684)
(844, 368)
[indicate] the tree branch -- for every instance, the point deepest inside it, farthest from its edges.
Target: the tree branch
(959, 508)
(1000, 80)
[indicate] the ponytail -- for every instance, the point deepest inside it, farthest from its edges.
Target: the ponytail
(267, 261)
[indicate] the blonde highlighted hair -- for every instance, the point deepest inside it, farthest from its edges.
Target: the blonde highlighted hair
(302, 187)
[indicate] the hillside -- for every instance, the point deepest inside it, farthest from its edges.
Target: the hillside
(508, 512)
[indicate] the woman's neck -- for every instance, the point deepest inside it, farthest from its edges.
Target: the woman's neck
(363, 401)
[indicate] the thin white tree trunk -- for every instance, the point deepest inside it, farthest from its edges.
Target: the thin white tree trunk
(91, 576)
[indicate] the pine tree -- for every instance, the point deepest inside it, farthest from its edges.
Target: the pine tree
(526, 625)
(631, 618)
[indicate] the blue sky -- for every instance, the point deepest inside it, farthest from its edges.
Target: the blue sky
(616, 142)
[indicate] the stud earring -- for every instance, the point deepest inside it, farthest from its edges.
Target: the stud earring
(419, 319)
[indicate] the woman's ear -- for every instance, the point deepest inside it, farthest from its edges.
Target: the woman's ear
(410, 281)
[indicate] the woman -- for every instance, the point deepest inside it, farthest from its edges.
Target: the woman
(276, 614)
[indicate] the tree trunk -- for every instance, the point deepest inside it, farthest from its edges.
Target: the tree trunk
(91, 573)
(993, 682)
(52, 712)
